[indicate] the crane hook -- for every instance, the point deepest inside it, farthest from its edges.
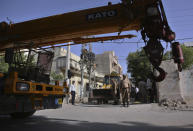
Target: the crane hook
(154, 51)
(162, 74)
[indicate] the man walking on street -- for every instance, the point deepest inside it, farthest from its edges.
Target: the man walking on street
(72, 90)
(125, 90)
(114, 90)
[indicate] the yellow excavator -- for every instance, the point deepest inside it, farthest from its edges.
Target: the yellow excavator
(25, 89)
(110, 90)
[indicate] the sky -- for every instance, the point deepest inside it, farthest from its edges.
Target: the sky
(179, 14)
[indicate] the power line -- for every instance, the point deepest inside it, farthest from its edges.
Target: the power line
(127, 42)
(185, 26)
(179, 16)
(184, 29)
(182, 10)
(185, 38)
(123, 42)
(182, 24)
(122, 56)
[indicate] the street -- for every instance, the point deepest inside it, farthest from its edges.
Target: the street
(81, 117)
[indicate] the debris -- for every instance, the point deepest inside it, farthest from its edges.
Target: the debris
(175, 104)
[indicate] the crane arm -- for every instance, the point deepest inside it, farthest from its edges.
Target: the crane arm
(148, 16)
(64, 27)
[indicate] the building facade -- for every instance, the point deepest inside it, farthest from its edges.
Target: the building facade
(59, 64)
(107, 63)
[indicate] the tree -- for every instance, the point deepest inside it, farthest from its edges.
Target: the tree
(3, 65)
(167, 56)
(188, 57)
(56, 76)
(113, 73)
(24, 59)
(19, 58)
(138, 66)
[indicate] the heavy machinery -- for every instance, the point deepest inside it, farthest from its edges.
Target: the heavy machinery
(110, 91)
(20, 93)
(25, 87)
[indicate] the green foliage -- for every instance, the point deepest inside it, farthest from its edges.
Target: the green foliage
(56, 76)
(32, 61)
(113, 73)
(167, 55)
(188, 57)
(23, 58)
(139, 66)
(19, 58)
(3, 65)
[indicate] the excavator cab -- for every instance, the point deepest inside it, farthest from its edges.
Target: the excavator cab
(23, 62)
(108, 80)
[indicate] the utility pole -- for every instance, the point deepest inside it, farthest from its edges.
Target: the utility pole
(67, 64)
(82, 72)
(90, 64)
(87, 60)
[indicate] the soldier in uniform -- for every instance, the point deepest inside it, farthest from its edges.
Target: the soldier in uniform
(125, 90)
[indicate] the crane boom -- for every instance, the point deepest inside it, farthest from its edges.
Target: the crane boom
(148, 16)
(68, 26)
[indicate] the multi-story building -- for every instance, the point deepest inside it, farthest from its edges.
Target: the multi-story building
(188, 44)
(107, 63)
(59, 64)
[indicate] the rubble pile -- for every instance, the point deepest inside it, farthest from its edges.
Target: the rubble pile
(175, 104)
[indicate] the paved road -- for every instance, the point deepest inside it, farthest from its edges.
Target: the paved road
(146, 117)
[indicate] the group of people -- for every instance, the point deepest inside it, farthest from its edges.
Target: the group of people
(126, 89)
(144, 92)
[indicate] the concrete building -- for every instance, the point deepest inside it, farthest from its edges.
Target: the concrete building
(188, 44)
(107, 63)
(59, 64)
(177, 87)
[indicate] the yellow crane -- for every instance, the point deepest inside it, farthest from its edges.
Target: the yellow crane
(21, 95)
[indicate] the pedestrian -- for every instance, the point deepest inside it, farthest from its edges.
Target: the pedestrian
(73, 91)
(136, 93)
(142, 91)
(115, 91)
(132, 94)
(80, 90)
(114, 87)
(66, 90)
(125, 90)
(149, 90)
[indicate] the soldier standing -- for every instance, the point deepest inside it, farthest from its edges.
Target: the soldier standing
(125, 90)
